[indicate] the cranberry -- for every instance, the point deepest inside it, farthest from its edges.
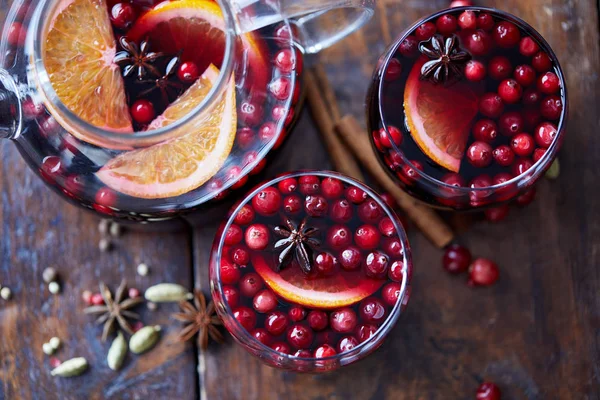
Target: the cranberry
(303, 354)
(497, 214)
(551, 107)
(485, 130)
(532, 118)
(541, 62)
(257, 237)
(528, 47)
(288, 185)
(324, 351)
(376, 265)
(231, 295)
(425, 31)
(392, 133)
(531, 97)
(262, 336)
(521, 166)
(283, 34)
(122, 15)
(391, 293)
(396, 272)
(386, 227)
(346, 343)
(245, 138)
(500, 68)
(393, 70)
(32, 109)
(250, 114)
(300, 336)
(316, 206)
(475, 71)
(370, 211)
(501, 178)
(235, 175)
(281, 88)
(485, 22)
(456, 259)
(446, 24)
(479, 43)
(325, 263)
(97, 299)
(491, 105)
(317, 320)
(526, 198)
(548, 83)
(522, 144)
(343, 320)
(297, 313)
(51, 168)
(309, 184)
(230, 273)
(350, 259)
(332, 188)
(488, 391)
(537, 154)
(250, 284)
(479, 154)
(292, 204)
(267, 201)
(503, 155)
(276, 323)
(479, 182)
(467, 20)
(367, 237)
(16, 35)
(394, 248)
(106, 197)
(544, 134)
(461, 3)
(244, 216)
(409, 47)
(86, 296)
(246, 317)
(285, 60)
(267, 132)
(524, 75)
(372, 310)
(54, 362)
(188, 72)
(356, 195)
(49, 126)
(483, 272)
(282, 113)
(142, 111)
(506, 34)
(234, 235)
(510, 91)
(281, 347)
(409, 172)
(365, 332)
(339, 236)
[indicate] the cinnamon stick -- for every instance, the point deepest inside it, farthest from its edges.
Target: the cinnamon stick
(323, 83)
(426, 219)
(341, 157)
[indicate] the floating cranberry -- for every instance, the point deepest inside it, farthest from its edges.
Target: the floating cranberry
(503, 155)
(365, 331)
(297, 313)
(234, 235)
(264, 301)
(526, 198)
(522, 144)
(541, 62)
(528, 47)
(391, 293)
(54, 362)
(537, 154)
(245, 138)
(332, 188)
(544, 134)
(51, 168)
(551, 107)
(325, 263)
(230, 273)
(262, 336)
(497, 214)
(475, 71)
(282, 113)
(276, 323)
(521, 166)
(367, 237)
(281, 347)
(524, 75)
(300, 336)
(453, 179)
(32, 109)
(246, 317)
(105, 197)
(292, 204)
(461, 3)
(188, 72)
(477, 197)
(97, 299)
(343, 320)
(356, 195)
(501, 178)
(409, 171)
(142, 111)
(267, 201)
(346, 343)
(16, 34)
(485, 22)
(446, 24)
(531, 97)
(479, 154)
(285, 60)
(393, 70)
(250, 114)
(370, 211)
(317, 320)
(281, 88)
(309, 184)
(392, 133)
(479, 42)
(324, 351)
(393, 248)
(531, 117)
(485, 130)
(376, 265)
(350, 259)
(396, 272)
(491, 105)
(267, 132)
(250, 284)
(500, 68)
(341, 211)
(409, 47)
(488, 391)
(425, 31)
(467, 20)
(284, 34)
(257, 237)
(316, 206)
(372, 310)
(548, 83)
(506, 34)
(456, 259)
(386, 227)
(483, 272)
(244, 216)
(339, 236)
(122, 15)
(288, 185)
(231, 295)
(510, 91)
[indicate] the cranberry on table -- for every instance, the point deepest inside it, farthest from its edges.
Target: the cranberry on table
(551, 107)
(491, 105)
(372, 310)
(548, 83)
(456, 259)
(350, 259)
(391, 293)
(251, 284)
(503, 155)
(500, 68)
(317, 320)
(528, 47)
(188, 72)
(264, 301)
(506, 34)
(97, 299)
(231, 295)
(346, 343)
(479, 154)
(510, 91)
(300, 336)
(142, 111)
(544, 134)
(475, 71)
(276, 323)
(483, 272)
(257, 237)
(246, 317)
(485, 130)
(488, 391)
(525, 75)
(343, 320)
(325, 351)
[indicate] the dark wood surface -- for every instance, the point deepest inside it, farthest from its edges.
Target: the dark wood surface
(535, 333)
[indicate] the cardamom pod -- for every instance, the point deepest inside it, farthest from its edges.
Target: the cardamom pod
(166, 292)
(117, 352)
(144, 339)
(73, 367)
(554, 170)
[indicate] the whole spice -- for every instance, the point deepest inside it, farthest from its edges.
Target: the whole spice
(54, 287)
(114, 310)
(144, 339)
(47, 349)
(104, 245)
(49, 275)
(54, 343)
(137, 60)
(73, 367)
(5, 293)
(200, 319)
(103, 226)
(117, 352)
(142, 269)
(297, 243)
(446, 58)
(115, 230)
(166, 292)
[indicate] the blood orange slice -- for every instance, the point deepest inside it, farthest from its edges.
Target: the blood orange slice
(185, 163)
(440, 117)
(340, 290)
(78, 56)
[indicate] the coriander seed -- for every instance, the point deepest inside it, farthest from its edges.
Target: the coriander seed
(49, 275)
(143, 269)
(103, 226)
(104, 245)
(5, 293)
(115, 230)
(54, 342)
(54, 287)
(47, 349)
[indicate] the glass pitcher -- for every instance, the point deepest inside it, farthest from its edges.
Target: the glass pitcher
(145, 110)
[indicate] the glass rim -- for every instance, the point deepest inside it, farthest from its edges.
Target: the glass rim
(382, 331)
(539, 167)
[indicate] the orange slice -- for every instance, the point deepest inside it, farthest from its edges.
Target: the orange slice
(340, 290)
(185, 163)
(440, 117)
(78, 56)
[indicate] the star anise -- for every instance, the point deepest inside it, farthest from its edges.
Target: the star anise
(298, 242)
(200, 319)
(114, 309)
(446, 58)
(137, 59)
(164, 83)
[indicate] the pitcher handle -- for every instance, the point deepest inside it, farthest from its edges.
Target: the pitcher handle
(347, 16)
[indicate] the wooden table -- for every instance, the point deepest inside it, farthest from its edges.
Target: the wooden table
(535, 333)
